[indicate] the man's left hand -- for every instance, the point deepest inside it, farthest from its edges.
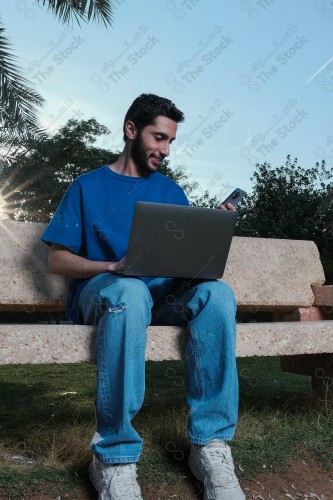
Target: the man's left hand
(229, 206)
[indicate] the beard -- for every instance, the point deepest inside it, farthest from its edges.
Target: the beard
(140, 156)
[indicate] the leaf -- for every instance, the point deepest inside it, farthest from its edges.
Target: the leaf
(80, 10)
(18, 101)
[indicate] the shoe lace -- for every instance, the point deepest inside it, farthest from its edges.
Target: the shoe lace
(222, 469)
(124, 481)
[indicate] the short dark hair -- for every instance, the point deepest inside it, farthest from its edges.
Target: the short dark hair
(145, 108)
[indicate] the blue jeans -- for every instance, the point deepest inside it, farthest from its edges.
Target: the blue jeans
(123, 308)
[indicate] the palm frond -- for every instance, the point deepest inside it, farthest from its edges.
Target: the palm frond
(80, 10)
(14, 141)
(18, 101)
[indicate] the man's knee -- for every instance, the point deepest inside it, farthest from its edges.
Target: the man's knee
(218, 288)
(220, 294)
(127, 292)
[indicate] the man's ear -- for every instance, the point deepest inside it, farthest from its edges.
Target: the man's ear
(131, 130)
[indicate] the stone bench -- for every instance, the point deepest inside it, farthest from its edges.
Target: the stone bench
(282, 276)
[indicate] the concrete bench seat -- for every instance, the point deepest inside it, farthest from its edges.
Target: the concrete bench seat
(36, 344)
(282, 276)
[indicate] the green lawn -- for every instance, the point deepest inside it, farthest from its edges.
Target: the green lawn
(47, 416)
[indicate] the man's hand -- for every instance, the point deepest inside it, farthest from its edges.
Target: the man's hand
(229, 206)
(116, 266)
(62, 261)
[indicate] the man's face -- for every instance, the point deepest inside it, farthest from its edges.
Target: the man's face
(152, 144)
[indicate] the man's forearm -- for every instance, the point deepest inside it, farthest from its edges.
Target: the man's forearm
(64, 262)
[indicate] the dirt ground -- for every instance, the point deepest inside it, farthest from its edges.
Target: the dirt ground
(300, 480)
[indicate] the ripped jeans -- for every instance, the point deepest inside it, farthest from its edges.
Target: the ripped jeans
(123, 308)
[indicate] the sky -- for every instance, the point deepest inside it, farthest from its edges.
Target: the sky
(253, 78)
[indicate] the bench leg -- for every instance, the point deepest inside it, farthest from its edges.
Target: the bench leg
(318, 366)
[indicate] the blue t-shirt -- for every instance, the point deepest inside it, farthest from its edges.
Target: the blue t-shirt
(94, 217)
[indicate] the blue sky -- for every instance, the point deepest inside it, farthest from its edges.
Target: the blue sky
(254, 78)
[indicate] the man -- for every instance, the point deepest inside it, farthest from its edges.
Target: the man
(89, 236)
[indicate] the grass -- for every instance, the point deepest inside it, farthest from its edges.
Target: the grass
(47, 416)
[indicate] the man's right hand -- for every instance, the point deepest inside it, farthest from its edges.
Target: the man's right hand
(116, 266)
(62, 261)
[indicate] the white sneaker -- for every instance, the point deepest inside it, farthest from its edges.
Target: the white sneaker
(212, 464)
(114, 482)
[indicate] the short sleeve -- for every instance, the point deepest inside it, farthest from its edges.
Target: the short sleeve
(65, 227)
(183, 198)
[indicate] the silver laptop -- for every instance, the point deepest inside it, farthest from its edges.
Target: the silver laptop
(177, 241)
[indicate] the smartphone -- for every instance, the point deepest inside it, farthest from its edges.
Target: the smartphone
(235, 197)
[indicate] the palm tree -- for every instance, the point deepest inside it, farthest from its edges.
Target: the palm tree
(19, 102)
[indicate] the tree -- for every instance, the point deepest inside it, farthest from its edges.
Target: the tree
(19, 102)
(35, 181)
(291, 202)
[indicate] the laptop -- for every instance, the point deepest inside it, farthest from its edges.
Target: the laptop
(176, 241)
